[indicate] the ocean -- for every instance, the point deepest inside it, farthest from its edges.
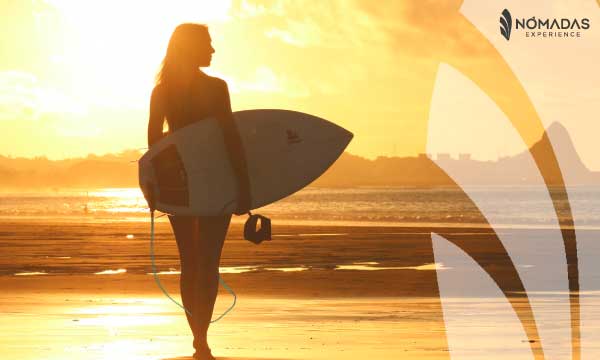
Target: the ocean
(515, 207)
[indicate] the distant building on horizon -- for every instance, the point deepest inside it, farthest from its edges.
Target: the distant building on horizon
(443, 156)
(464, 156)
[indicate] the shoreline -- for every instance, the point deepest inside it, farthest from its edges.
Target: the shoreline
(8, 220)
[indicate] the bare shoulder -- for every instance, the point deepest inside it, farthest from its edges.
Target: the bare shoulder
(217, 84)
(158, 91)
(220, 93)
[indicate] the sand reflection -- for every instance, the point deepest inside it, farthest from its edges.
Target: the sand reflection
(370, 266)
(31, 273)
(111, 272)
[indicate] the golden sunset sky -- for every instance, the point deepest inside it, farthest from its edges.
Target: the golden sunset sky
(75, 76)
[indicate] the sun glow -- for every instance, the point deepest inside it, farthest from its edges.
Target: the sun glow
(115, 41)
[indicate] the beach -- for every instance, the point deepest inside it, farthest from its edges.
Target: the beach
(85, 290)
(58, 306)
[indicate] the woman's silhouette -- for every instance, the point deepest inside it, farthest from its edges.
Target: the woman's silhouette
(184, 94)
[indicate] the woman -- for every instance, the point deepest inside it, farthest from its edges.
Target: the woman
(183, 94)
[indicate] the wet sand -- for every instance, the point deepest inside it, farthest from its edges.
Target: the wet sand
(323, 311)
(67, 249)
(89, 326)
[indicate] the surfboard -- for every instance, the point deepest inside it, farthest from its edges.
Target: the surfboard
(191, 173)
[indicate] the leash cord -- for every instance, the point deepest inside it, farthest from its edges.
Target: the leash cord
(154, 272)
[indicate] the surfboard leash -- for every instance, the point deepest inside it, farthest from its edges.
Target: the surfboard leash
(157, 280)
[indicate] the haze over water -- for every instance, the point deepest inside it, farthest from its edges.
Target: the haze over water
(517, 206)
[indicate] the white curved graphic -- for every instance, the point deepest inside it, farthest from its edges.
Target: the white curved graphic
(537, 250)
(539, 254)
(479, 321)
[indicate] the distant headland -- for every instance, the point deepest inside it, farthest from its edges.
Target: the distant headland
(120, 170)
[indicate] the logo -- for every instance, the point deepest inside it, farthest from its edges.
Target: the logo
(505, 24)
(292, 137)
(536, 27)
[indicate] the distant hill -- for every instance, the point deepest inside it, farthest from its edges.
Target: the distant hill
(111, 170)
(120, 170)
(351, 170)
(520, 169)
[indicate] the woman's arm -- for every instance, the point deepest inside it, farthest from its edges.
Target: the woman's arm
(157, 117)
(155, 126)
(235, 148)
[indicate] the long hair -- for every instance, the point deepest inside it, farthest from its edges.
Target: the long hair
(186, 38)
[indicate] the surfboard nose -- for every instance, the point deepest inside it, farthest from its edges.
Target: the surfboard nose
(336, 135)
(346, 134)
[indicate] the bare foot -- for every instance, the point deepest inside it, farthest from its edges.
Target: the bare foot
(203, 354)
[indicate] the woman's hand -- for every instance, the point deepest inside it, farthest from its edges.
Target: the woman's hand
(243, 200)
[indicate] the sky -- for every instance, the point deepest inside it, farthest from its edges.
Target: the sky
(75, 76)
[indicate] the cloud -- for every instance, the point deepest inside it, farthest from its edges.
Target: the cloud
(23, 98)
(417, 27)
(247, 8)
(297, 34)
(425, 28)
(363, 40)
(331, 24)
(264, 80)
(18, 96)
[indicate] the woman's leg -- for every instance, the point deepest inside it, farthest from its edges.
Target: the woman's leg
(185, 229)
(212, 231)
